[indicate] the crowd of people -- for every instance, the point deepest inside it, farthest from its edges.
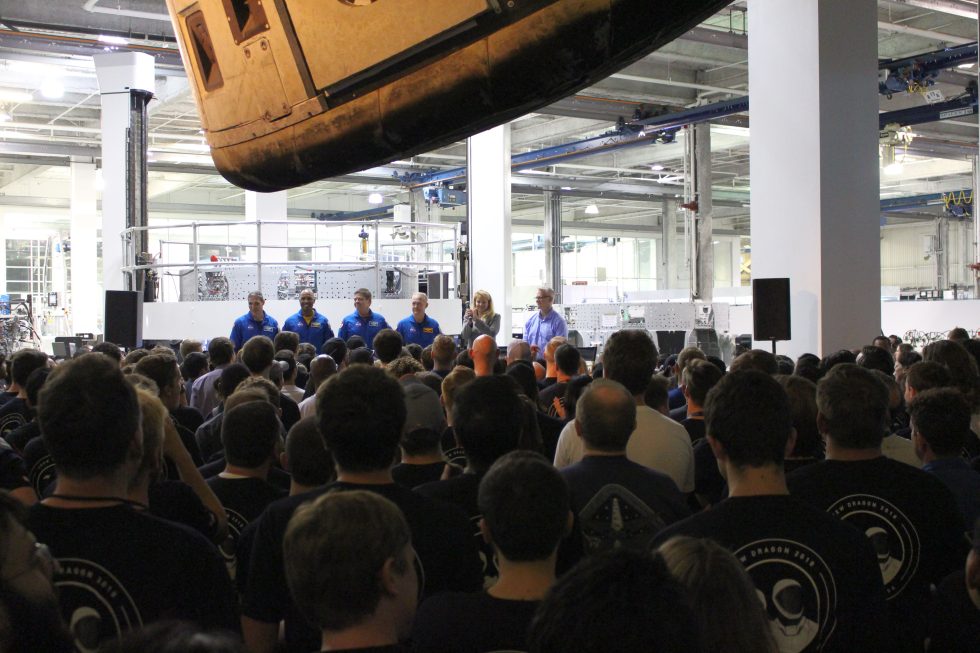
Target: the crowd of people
(299, 491)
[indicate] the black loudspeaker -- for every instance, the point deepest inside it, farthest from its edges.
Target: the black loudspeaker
(124, 318)
(770, 309)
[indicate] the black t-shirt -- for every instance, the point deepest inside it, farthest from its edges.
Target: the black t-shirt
(410, 476)
(954, 625)
(6, 396)
(816, 576)
(708, 481)
(548, 395)
(243, 499)
(188, 417)
(40, 466)
(187, 437)
(550, 432)
(121, 569)
(20, 436)
(462, 491)
(695, 428)
(13, 415)
(446, 557)
(208, 437)
(910, 518)
(290, 411)
(277, 476)
(620, 503)
(13, 471)
(176, 501)
(454, 622)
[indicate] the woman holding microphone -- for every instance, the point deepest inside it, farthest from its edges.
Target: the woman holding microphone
(480, 319)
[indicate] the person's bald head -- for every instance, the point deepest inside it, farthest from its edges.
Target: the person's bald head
(321, 369)
(518, 350)
(484, 354)
(605, 416)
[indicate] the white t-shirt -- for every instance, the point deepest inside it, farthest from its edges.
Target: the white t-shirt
(307, 407)
(658, 442)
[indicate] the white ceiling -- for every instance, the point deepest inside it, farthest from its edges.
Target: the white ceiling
(50, 42)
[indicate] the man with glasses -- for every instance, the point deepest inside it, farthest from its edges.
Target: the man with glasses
(545, 324)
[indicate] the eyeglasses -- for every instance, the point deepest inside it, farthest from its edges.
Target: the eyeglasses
(41, 559)
(541, 298)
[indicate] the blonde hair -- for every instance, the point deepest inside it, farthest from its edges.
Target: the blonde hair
(489, 314)
(728, 612)
(152, 415)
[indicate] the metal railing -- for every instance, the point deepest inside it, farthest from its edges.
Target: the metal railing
(423, 246)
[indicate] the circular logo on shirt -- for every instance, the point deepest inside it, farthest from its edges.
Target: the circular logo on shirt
(42, 474)
(796, 589)
(94, 603)
(892, 535)
(228, 548)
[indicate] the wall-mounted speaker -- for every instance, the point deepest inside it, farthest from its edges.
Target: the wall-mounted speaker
(770, 309)
(124, 318)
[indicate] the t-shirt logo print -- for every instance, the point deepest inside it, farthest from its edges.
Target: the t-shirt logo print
(891, 533)
(94, 603)
(616, 517)
(796, 589)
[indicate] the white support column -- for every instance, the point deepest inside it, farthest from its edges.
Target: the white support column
(670, 253)
(814, 166)
(269, 207)
(703, 265)
(86, 296)
(488, 219)
(118, 74)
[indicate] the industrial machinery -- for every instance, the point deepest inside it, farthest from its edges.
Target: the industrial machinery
(298, 90)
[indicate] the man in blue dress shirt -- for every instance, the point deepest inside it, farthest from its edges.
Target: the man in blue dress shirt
(311, 326)
(545, 324)
(363, 321)
(418, 327)
(254, 323)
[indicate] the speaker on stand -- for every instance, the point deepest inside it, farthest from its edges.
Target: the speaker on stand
(124, 318)
(771, 310)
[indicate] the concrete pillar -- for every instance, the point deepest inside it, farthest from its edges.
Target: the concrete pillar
(552, 241)
(86, 298)
(488, 221)
(266, 207)
(670, 254)
(118, 73)
(814, 166)
(703, 261)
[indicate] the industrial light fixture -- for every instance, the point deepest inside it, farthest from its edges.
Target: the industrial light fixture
(966, 65)
(112, 40)
(592, 209)
(5, 114)
(375, 198)
(656, 167)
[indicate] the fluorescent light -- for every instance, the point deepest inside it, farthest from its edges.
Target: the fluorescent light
(965, 65)
(52, 88)
(8, 95)
(112, 40)
(592, 209)
(893, 169)
(656, 167)
(5, 116)
(375, 198)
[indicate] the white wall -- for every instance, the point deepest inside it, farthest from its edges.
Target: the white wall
(903, 261)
